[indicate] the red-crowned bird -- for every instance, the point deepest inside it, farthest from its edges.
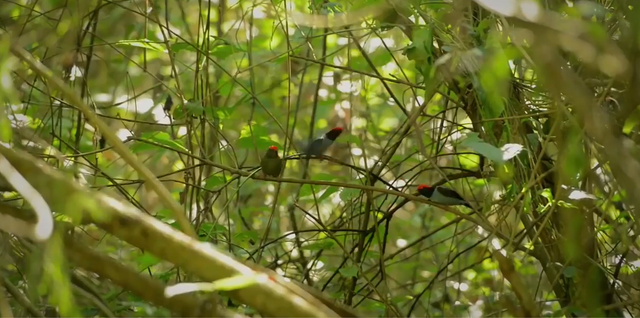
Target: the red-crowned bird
(271, 163)
(442, 195)
(319, 146)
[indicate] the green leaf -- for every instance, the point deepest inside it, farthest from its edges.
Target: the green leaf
(236, 282)
(156, 137)
(144, 43)
(194, 108)
(5, 129)
(224, 51)
(247, 236)
(261, 143)
(348, 194)
(164, 214)
(420, 50)
(329, 191)
(510, 150)
(146, 260)
(214, 181)
(253, 129)
(226, 284)
(546, 193)
(219, 113)
(307, 190)
(225, 85)
(210, 228)
(349, 271)
(476, 144)
(421, 44)
(180, 46)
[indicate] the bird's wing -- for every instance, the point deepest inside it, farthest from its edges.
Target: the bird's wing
(450, 193)
(310, 146)
(314, 147)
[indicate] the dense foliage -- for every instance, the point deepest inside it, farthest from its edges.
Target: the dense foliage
(139, 126)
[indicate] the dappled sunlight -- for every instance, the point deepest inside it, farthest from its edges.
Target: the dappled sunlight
(461, 286)
(375, 43)
(140, 105)
(389, 69)
(152, 137)
(160, 116)
(348, 86)
(123, 134)
(182, 131)
(356, 151)
(327, 78)
(323, 93)
(399, 183)
(19, 120)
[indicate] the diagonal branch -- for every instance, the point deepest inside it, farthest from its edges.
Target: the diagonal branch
(272, 297)
(73, 99)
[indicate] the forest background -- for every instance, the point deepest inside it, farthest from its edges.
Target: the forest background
(130, 133)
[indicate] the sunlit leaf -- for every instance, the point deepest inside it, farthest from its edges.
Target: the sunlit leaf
(546, 193)
(180, 46)
(476, 144)
(226, 284)
(505, 172)
(469, 161)
(510, 150)
(495, 79)
(5, 128)
(144, 43)
(328, 192)
(420, 50)
(161, 138)
(253, 129)
(576, 194)
(146, 260)
(238, 282)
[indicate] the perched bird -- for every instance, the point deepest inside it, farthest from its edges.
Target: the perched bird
(442, 195)
(319, 146)
(168, 104)
(271, 163)
(102, 143)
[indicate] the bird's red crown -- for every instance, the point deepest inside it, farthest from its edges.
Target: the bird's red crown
(273, 148)
(333, 133)
(423, 186)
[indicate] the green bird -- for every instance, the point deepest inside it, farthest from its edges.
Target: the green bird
(271, 163)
